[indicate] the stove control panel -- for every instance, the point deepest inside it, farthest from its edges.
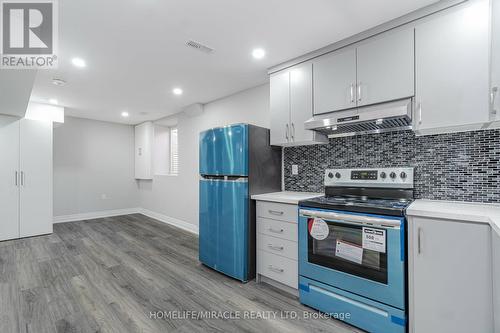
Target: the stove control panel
(382, 177)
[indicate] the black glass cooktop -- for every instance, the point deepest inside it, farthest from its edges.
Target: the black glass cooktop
(359, 204)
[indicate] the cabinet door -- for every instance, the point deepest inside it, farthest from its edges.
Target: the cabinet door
(334, 81)
(280, 108)
(450, 283)
(301, 104)
(9, 178)
(35, 216)
(495, 61)
(452, 67)
(386, 67)
(144, 138)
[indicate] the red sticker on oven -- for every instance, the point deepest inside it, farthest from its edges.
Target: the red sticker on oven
(318, 229)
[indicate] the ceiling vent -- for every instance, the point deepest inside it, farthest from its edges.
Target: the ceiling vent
(199, 46)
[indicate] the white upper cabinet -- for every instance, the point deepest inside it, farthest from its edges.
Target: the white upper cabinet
(495, 60)
(144, 141)
(452, 69)
(280, 107)
(291, 104)
(301, 102)
(385, 67)
(335, 81)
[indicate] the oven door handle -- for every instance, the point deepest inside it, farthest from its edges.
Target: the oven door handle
(353, 219)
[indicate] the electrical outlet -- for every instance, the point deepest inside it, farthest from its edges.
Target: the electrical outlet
(295, 169)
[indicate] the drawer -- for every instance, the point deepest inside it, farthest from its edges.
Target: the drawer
(278, 268)
(277, 211)
(278, 246)
(284, 230)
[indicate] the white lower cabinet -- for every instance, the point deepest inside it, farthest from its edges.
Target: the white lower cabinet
(277, 244)
(25, 178)
(450, 276)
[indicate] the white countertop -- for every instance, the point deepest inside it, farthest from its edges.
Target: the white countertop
(460, 211)
(286, 197)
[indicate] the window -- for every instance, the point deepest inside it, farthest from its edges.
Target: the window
(174, 151)
(166, 151)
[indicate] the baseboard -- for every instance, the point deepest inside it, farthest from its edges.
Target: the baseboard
(170, 220)
(95, 215)
(117, 212)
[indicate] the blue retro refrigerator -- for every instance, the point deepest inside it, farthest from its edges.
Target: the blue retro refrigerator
(236, 162)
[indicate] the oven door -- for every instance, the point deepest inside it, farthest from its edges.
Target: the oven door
(361, 253)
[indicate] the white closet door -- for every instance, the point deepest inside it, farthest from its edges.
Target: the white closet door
(36, 178)
(9, 165)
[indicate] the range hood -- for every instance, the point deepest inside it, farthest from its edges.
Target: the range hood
(386, 117)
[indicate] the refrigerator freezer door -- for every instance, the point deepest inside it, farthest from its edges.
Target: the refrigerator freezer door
(224, 226)
(224, 151)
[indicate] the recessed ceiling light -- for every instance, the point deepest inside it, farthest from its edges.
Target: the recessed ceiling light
(58, 82)
(258, 53)
(125, 114)
(78, 62)
(177, 91)
(53, 101)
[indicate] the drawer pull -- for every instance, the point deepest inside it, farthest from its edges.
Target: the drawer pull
(280, 231)
(276, 248)
(275, 269)
(275, 212)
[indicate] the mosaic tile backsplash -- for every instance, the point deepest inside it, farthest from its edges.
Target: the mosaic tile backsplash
(458, 166)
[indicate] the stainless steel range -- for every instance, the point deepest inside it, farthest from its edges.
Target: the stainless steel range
(352, 247)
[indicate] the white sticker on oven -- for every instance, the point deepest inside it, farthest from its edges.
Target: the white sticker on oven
(374, 239)
(318, 229)
(348, 251)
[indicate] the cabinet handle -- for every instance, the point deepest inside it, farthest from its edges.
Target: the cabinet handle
(352, 92)
(359, 92)
(286, 133)
(275, 247)
(419, 108)
(16, 180)
(275, 212)
(419, 240)
(276, 231)
(275, 269)
(22, 178)
(293, 132)
(493, 96)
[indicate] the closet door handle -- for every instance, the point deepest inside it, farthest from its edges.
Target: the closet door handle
(22, 178)
(16, 179)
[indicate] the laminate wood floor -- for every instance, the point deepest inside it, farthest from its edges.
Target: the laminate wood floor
(116, 274)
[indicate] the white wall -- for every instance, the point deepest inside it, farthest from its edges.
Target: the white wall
(93, 167)
(177, 196)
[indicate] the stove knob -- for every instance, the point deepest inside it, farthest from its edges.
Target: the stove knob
(383, 175)
(337, 175)
(403, 175)
(393, 175)
(330, 175)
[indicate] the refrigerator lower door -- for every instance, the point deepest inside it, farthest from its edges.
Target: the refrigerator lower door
(224, 226)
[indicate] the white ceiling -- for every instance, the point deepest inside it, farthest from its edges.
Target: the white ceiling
(135, 49)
